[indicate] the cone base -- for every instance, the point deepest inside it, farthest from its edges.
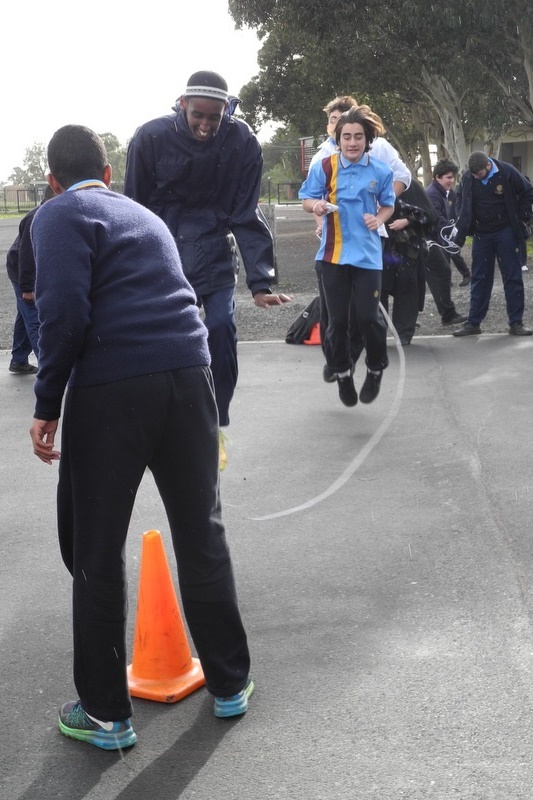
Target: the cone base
(167, 690)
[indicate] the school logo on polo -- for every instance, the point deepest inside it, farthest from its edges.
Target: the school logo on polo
(499, 189)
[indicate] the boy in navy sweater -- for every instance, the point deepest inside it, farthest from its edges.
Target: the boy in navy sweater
(120, 327)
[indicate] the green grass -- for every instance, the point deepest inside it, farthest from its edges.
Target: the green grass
(10, 211)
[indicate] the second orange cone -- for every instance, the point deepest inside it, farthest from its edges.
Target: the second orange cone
(314, 336)
(162, 667)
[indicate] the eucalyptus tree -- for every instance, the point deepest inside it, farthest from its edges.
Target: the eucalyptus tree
(462, 69)
(34, 167)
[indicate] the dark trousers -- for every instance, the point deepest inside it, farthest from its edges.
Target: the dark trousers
(404, 281)
(25, 329)
(439, 281)
(522, 252)
(356, 342)
(351, 295)
(460, 264)
(168, 422)
(486, 248)
(219, 309)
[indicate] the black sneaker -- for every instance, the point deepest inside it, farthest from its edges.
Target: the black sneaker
(22, 369)
(328, 374)
(468, 330)
(519, 330)
(347, 392)
(466, 280)
(457, 319)
(371, 387)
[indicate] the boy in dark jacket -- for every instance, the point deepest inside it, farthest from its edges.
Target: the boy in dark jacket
(20, 265)
(494, 204)
(443, 197)
(200, 171)
(404, 259)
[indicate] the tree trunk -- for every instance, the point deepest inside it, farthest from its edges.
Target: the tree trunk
(447, 104)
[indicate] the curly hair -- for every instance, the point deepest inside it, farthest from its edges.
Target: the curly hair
(444, 167)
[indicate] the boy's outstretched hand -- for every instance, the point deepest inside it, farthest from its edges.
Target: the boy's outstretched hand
(264, 300)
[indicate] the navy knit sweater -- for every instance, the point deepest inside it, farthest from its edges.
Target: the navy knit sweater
(112, 298)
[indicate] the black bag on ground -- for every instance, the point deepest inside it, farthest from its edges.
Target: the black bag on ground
(303, 324)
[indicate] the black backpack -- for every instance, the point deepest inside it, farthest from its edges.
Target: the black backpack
(303, 324)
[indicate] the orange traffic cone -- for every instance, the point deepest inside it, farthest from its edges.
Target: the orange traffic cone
(314, 336)
(162, 667)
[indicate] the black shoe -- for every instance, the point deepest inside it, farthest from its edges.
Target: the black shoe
(466, 280)
(457, 319)
(22, 369)
(347, 392)
(468, 330)
(404, 341)
(371, 387)
(517, 329)
(328, 374)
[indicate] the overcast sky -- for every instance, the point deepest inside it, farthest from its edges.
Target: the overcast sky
(108, 64)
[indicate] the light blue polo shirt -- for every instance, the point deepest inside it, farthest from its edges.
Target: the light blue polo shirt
(357, 189)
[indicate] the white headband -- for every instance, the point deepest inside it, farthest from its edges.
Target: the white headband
(206, 91)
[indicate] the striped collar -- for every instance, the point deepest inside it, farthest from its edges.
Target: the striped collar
(86, 185)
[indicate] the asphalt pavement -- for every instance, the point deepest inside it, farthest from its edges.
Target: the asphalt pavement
(384, 564)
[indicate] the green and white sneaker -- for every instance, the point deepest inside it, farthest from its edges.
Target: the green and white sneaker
(76, 723)
(236, 704)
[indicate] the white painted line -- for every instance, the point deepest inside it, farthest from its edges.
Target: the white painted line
(374, 440)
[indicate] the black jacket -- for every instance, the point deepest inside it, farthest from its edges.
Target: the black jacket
(20, 261)
(408, 248)
(518, 195)
(441, 204)
(207, 193)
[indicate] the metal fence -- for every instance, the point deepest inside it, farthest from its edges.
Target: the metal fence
(21, 199)
(288, 193)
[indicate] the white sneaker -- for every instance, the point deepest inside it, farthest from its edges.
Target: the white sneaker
(524, 268)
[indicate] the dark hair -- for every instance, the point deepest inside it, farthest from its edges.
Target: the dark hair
(478, 160)
(76, 153)
(363, 115)
(444, 167)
